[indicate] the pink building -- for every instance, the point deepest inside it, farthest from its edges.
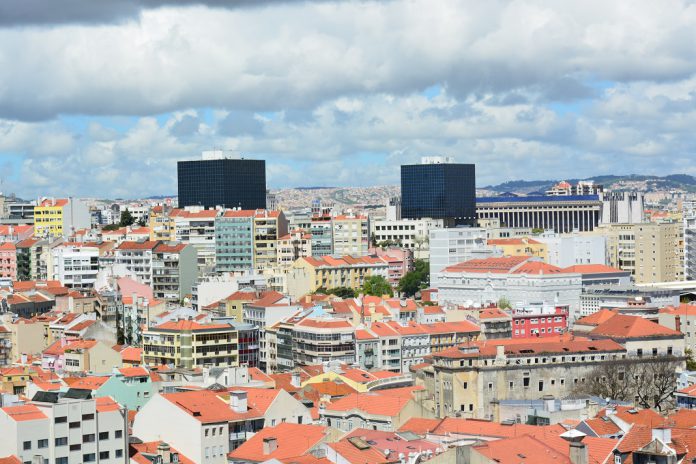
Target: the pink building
(539, 321)
(400, 262)
(8, 260)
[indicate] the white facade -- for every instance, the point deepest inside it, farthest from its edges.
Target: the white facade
(75, 266)
(622, 207)
(564, 250)
(138, 261)
(68, 431)
(689, 214)
(456, 245)
(408, 233)
(467, 288)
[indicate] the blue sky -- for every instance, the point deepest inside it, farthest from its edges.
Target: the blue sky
(105, 100)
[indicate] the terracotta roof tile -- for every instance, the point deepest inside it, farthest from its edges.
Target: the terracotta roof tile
(288, 445)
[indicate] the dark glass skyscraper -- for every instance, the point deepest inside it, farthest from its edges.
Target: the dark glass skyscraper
(222, 182)
(439, 190)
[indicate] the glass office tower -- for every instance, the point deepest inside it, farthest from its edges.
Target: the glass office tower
(440, 189)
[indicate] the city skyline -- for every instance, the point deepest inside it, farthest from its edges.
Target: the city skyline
(345, 91)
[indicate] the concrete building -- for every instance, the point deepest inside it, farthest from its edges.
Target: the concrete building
(29, 264)
(309, 274)
(524, 246)
(64, 430)
(8, 261)
(593, 299)
(622, 207)
(76, 265)
(519, 279)
(293, 246)
(58, 217)
(562, 213)
(456, 245)
(652, 252)
(196, 226)
(407, 233)
(565, 250)
(351, 235)
(319, 340)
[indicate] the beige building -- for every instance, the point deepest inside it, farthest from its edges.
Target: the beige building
(297, 244)
(523, 246)
(309, 274)
(26, 337)
(652, 252)
(351, 235)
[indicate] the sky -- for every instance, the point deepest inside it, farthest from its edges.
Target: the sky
(100, 99)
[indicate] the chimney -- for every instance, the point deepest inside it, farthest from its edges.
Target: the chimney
(664, 434)
(165, 452)
(270, 444)
(578, 450)
(295, 379)
(238, 401)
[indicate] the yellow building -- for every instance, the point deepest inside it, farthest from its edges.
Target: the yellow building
(162, 224)
(188, 344)
(56, 217)
(309, 274)
(520, 247)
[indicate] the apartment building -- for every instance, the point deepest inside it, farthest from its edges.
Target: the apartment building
(319, 340)
(189, 344)
(29, 264)
(523, 246)
(76, 265)
(652, 252)
(65, 429)
(351, 235)
(161, 223)
(8, 261)
(540, 320)
(456, 245)
(196, 226)
(58, 217)
(309, 274)
(407, 233)
(293, 246)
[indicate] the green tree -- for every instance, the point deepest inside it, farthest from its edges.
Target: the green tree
(690, 362)
(127, 219)
(110, 227)
(377, 286)
(415, 280)
(504, 303)
(341, 292)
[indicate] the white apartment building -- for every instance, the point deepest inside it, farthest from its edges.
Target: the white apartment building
(65, 430)
(351, 235)
(137, 257)
(408, 233)
(196, 226)
(456, 245)
(564, 250)
(75, 265)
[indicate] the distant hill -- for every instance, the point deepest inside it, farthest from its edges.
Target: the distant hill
(633, 182)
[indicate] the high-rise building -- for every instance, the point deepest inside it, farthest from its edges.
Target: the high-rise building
(219, 181)
(438, 188)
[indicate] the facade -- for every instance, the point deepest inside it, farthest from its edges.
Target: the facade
(65, 430)
(316, 340)
(321, 230)
(196, 226)
(8, 261)
(76, 265)
(565, 250)
(60, 217)
(562, 213)
(309, 274)
(293, 246)
(217, 181)
(29, 264)
(539, 321)
(407, 233)
(622, 207)
(189, 344)
(173, 271)
(351, 235)
(456, 245)
(595, 298)
(519, 279)
(652, 252)
(524, 246)
(440, 189)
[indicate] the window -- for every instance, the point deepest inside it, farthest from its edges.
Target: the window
(61, 441)
(61, 460)
(86, 417)
(541, 385)
(43, 443)
(89, 438)
(104, 455)
(103, 435)
(119, 453)
(27, 445)
(118, 433)
(74, 425)
(89, 457)
(60, 420)
(77, 447)
(525, 381)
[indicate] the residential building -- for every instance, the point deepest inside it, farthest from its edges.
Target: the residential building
(216, 180)
(309, 274)
(60, 217)
(456, 245)
(581, 188)
(293, 246)
(565, 250)
(29, 264)
(321, 229)
(319, 340)
(161, 223)
(234, 241)
(281, 444)
(15, 233)
(351, 235)
(65, 429)
(407, 233)
(400, 262)
(196, 226)
(378, 410)
(592, 299)
(8, 261)
(520, 247)
(541, 320)
(75, 265)
(189, 344)
(439, 188)
(652, 252)
(622, 207)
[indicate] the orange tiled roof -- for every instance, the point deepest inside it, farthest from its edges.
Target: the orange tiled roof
(134, 372)
(25, 412)
(495, 265)
(623, 326)
(371, 403)
(592, 269)
(631, 415)
(142, 453)
(354, 455)
(521, 450)
(288, 445)
(131, 354)
(208, 407)
(597, 318)
(90, 383)
(106, 404)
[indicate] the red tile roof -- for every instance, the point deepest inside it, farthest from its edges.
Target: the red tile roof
(354, 455)
(142, 453)
(371, 403)
(26, 412)
(144, 245)
(495, 265)
(628, 327)
(292, 440)
(134, 372)
(208, 407)
(106, 404)
(191, 326)
(521, 450)
(131, 354)
(325, 323)
(597, 318)
(90, 383)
